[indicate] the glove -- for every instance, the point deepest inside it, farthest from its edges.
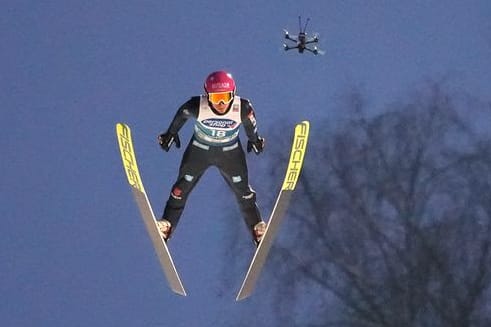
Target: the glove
(257, 146)
(166, 139)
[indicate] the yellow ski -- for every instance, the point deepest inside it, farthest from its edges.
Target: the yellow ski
(134, 179)
(297, 155)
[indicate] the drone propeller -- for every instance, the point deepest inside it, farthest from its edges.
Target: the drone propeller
(318, 51)
(290, 38)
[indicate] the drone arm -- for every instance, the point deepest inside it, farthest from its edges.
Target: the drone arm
(312, 41)
(286, 47)
(314, 51)
(288, 37)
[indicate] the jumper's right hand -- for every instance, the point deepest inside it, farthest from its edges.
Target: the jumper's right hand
(166, 139)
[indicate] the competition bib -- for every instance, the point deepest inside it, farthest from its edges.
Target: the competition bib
(213, 129)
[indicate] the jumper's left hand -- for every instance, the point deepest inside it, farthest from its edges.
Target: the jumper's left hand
(257, 146)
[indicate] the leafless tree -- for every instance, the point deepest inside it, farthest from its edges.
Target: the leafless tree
(391, 224)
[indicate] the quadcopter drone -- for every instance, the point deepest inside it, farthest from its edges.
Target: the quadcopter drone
(302, 40)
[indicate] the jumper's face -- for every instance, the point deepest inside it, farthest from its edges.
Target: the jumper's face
(220, 100)
(221, 107)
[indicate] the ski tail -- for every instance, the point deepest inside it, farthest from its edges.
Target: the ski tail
(295, 164)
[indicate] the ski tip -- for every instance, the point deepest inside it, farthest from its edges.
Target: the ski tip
(297, 155)
(305, 124)
(121, 125)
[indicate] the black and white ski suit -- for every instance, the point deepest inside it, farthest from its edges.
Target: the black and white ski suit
(215, 142)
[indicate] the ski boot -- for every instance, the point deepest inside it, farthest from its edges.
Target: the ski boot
(258, 232)
(165, 228)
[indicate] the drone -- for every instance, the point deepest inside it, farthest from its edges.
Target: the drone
(302, 40)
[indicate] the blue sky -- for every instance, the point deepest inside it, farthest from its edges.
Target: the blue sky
(73, 251)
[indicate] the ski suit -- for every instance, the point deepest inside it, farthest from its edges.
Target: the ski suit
(215, 142)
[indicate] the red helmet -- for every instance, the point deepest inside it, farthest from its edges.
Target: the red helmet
(219, 81)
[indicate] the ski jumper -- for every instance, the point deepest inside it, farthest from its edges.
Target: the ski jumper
(215, 142)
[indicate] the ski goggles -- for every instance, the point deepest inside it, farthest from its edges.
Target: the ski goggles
(218, 97)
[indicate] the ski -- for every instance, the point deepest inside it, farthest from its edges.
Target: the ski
(297, 155)
(134, 179)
